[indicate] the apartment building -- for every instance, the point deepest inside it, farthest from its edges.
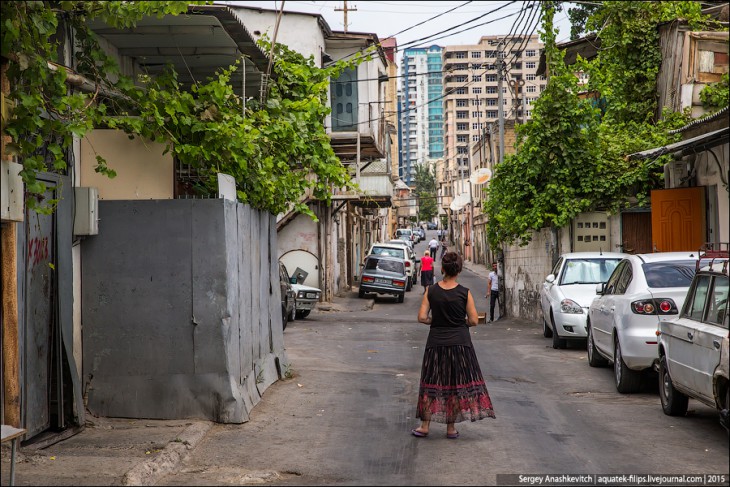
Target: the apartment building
(471, 107)
(420, 110)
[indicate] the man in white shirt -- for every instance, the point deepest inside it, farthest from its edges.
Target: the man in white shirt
(433, 246)
(492, 290)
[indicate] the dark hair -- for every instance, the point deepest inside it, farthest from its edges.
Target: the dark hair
(451, 264)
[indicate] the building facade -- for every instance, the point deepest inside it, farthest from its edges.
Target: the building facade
(420, 110)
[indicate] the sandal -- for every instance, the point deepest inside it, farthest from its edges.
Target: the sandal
(419, 434)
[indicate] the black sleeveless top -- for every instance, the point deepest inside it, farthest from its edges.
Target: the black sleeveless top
(448, 316)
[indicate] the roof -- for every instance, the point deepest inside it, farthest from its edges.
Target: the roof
(689, 146)
(587, 46)
(594, 255)
(207, 38)
(665, 256)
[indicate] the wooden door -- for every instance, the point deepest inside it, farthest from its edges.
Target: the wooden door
(636, 232)
(678, 219)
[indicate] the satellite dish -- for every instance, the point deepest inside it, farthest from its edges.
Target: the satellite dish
(481, 176)
(461, 200)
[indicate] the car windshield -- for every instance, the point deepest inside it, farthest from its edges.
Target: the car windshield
(400, 253)
(587, 271)
(677, 273)
(385, 265)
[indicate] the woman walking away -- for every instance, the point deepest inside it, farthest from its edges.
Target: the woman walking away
(426, 270)
(452, 388)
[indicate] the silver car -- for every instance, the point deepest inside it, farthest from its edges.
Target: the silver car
(693, 349)
(383, 275)
(623, 319)
(569, 290)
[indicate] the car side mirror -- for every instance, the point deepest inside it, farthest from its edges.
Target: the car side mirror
(550, 278)
(600, 288)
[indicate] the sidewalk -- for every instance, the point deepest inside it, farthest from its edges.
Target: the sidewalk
(108, 451)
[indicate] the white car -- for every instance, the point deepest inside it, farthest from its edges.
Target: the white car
(305, 297)
(693, 349)
(569, 290)
(624, 318)
(400, 250)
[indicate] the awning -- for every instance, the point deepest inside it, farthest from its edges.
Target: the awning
(207, 38)
(689, 146)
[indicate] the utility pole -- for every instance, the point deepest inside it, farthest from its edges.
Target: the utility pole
(345, 9)
(501, 71)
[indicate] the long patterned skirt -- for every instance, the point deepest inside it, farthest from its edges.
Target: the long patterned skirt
(452, 388)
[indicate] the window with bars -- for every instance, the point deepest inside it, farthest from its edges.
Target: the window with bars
(530, 77)
(530, 53)
(476, 91)
(476, 54)
(531, 89)
(530, 65)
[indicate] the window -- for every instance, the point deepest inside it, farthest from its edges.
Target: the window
(530, 101)
(717, 305)
(462, 138)
(542, 88)
(697, 307)
(491, 102)
(476, 66)
(530, 77)
(476, 78)
(491, 89)
(476, 102)
(531, 89)
(461, 66)
(476, 114)
(462, 126)
(530, 53)
(462, 150)
(492, 114)
(461, 55)
(462, 114)
(491, 78)
(588, 271)
(530, 65)
(669, 274)
(490, 53)
(475, 138)
(461, 102)
(476, 91)
(476, 54)
(460, 91)
(461, 78)
(475, 126)
(516, 76)
(516, 65)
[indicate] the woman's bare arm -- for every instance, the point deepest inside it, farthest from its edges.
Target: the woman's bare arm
(471, 311)
(424, 309)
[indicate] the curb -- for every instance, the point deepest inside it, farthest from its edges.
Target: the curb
(151, 471)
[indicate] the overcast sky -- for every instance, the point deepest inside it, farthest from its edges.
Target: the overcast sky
(388, 18)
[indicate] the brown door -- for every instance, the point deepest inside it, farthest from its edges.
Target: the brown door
(678, 219)
(636, 232)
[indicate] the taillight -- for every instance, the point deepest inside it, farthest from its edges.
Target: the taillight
(408, 263)
(399, 283)
(368, 279)
(660, 306)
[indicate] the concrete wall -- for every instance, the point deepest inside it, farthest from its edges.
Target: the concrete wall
(299, 32)
(710, 173)
(142, 171)
(182, 313)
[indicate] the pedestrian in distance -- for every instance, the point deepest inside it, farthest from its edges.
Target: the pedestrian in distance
(426, 270)
(444, 248)
(433, 246)
(452, 388)
(492, 290)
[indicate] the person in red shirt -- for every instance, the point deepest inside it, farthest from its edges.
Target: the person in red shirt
(426, 270)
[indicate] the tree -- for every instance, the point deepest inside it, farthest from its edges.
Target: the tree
(570, 157)
(426, 192)
(272, 150)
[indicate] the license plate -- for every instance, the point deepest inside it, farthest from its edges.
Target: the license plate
(382, 281)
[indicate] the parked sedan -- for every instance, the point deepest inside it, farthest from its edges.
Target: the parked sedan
(569, 290)
(693, 349)
(384, 275)
(623, 319)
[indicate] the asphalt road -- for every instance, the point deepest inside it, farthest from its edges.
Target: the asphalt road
(344, 417)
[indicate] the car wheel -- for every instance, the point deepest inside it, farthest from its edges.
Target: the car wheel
(293, 315)
(547, 332)
(409, 286)
(557, 341)
(284, 317)
(627, 380)
(401, 297)
(674, 403)
(361, 293)
(594, 358)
